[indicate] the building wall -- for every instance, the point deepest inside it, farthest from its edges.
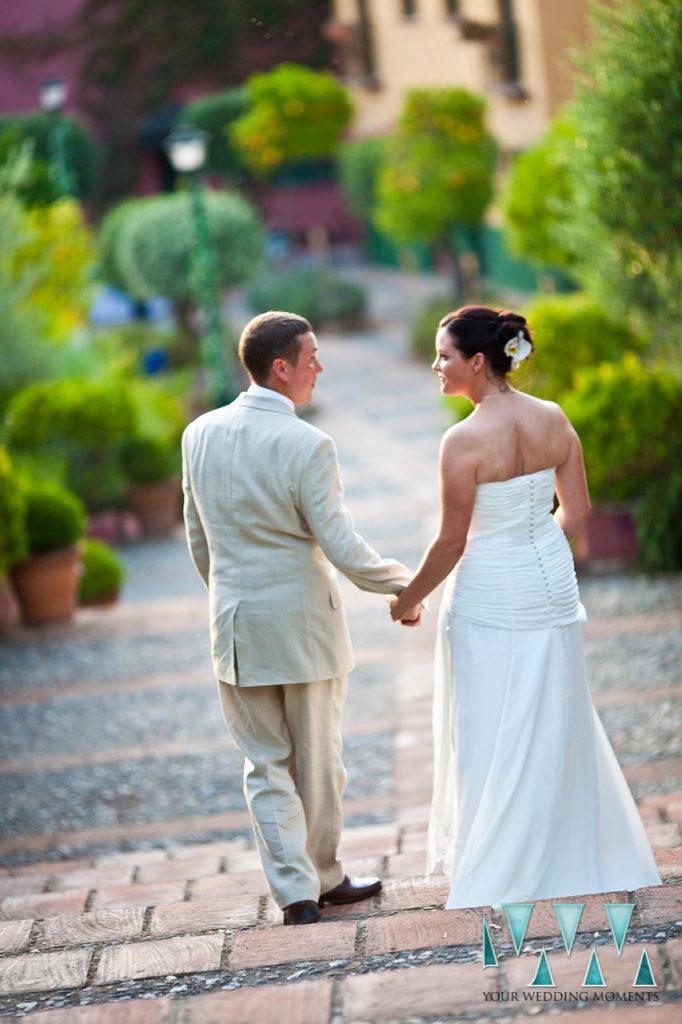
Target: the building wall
(427, 50)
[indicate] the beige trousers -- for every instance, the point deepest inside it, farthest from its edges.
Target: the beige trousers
(294, 779)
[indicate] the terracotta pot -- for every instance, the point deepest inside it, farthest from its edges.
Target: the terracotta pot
(47, 586)
(157, 506)
(101, 601)
(9, 606)
(609, 535)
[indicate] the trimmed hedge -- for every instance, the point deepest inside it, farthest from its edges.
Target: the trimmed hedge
(316, 294)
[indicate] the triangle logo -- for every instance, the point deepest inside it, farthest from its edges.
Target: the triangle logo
(645, 975)
(543, 975)
(568, 915)
(518, 916)
(489, 955)
(619, 915)
(593, 976)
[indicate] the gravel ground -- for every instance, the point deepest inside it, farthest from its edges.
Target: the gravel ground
(156, 789)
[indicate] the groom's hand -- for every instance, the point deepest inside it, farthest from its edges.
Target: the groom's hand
(409, 617)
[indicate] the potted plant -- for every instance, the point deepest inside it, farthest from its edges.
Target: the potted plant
(46, 583)
(13, 541)
(102, 576)
(154, 490)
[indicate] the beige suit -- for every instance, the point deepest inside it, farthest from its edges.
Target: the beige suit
(266, 525)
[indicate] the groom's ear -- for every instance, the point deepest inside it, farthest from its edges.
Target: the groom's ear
(280, 369)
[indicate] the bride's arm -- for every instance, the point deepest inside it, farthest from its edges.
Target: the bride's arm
(571, 489)
(457, 494)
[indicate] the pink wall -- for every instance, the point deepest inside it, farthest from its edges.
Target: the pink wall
(19, 81)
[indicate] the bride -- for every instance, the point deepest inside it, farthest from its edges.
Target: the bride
(529, 801)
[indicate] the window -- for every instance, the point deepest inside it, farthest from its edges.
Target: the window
(452, 8)
(409, 8)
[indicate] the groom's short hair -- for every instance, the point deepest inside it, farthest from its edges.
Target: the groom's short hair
(269, 336)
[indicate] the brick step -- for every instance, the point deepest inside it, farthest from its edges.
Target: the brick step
(197, 871)
(440, 991)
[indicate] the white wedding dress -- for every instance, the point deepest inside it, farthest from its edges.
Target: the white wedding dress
(529, 801)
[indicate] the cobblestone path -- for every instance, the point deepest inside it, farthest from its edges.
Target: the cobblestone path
(130, 888)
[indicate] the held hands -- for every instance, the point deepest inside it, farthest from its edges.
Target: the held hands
(406, 617)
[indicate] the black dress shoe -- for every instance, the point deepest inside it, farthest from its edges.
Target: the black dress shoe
(350, 891)
(303, 912)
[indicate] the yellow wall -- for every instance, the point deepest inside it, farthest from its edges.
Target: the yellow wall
(428, 51)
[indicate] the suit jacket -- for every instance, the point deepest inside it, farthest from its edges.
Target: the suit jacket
(265, 524)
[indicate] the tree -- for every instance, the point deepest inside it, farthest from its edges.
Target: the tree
(539, 198)
(626, 165)
(295, 114)
(438, 175)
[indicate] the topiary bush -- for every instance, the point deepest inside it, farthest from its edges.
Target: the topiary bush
(13, 537)
(146, 460)
(294, 114)
(103, 572)
(314, 293)
(573, 332)
(55, 518)
(81, 151)
(155, 244)
(627, 416)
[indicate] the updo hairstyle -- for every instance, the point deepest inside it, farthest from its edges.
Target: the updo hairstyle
(480, 329)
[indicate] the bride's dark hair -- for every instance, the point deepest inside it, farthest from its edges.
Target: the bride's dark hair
(480, 329)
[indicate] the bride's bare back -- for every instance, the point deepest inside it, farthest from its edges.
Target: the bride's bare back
(515, 434)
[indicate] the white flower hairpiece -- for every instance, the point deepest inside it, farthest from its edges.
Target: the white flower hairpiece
(518, 349)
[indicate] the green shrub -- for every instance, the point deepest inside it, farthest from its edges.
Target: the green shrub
(13, 538)
(55, 518)
(214, 114)
(316, 294)
(627, 416)
(80, 424)
(103, 571)
(359, 164)
(572, 333)
(147, 460)
(539, 195)
(659, 523)
(108, 238)
(155, 245)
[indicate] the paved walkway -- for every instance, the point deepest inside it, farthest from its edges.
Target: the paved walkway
(131, 890)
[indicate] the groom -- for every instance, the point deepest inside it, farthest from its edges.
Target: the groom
(266, 523)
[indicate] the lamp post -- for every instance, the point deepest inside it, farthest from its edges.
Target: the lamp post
(53, 94)
(186, 148)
